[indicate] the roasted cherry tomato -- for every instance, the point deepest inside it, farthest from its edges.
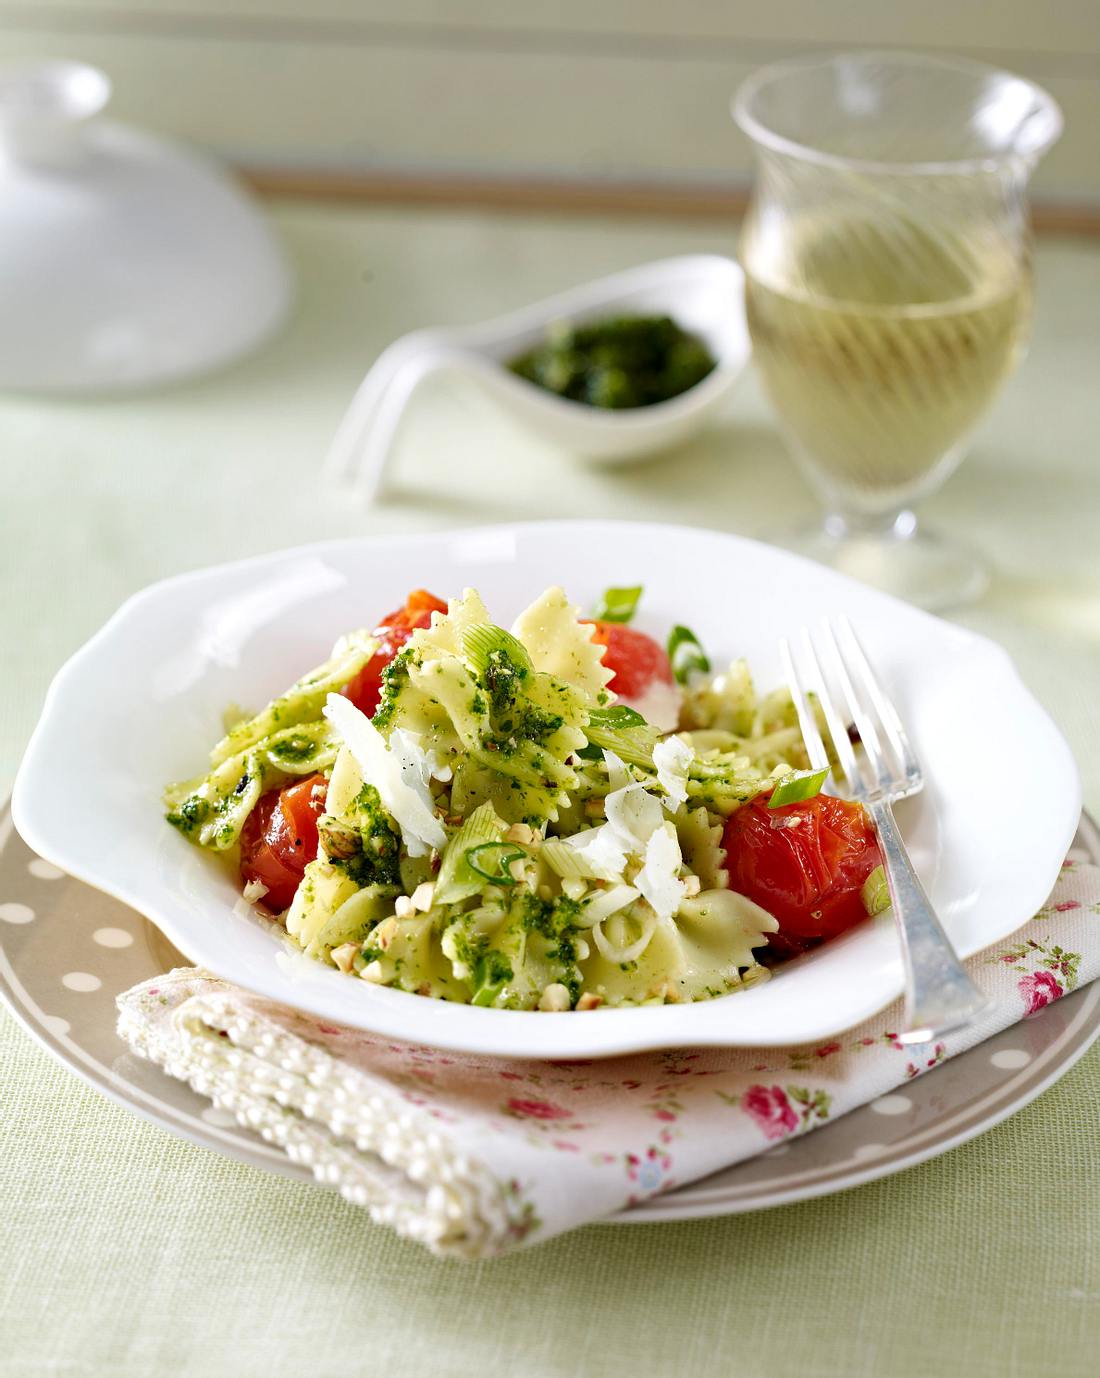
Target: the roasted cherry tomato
(636, 659)
(804, 863)
(392, 632)
(279, 838)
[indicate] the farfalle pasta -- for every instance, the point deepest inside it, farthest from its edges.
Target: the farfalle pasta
(461, 811)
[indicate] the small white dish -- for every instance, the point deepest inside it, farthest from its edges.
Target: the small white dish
(141, 703)
(127, 261)
(703, 293)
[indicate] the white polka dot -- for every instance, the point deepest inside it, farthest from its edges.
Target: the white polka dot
(44, 870)
(56, 1024)
(1008, 1059)
(16, 913)
(892, 1105)
(869, 1151)
(112, 937)
(777, 1151)
(80, 980)
(213, 1114)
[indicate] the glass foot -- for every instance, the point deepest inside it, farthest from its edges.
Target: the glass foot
(900, 559)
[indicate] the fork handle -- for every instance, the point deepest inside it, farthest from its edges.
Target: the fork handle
(940, 996)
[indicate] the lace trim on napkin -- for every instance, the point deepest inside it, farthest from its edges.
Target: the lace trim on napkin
(378, 1150)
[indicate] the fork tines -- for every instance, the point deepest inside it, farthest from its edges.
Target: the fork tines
(889, 766)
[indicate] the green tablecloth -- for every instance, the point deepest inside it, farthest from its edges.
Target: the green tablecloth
(127, 1252)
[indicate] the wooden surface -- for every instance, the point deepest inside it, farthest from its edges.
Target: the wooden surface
(559, 196)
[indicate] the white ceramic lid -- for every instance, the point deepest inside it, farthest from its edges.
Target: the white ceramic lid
(127, 261)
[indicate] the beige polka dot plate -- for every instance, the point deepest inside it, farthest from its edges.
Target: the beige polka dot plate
(66, 951)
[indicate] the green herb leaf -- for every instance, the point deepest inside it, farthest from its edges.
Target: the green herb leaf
(796, 788)
(618, 605)
(491, 860)
(622, 730)
(617, 717)
(685, 653)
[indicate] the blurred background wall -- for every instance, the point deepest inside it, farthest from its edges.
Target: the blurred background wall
(617, 98)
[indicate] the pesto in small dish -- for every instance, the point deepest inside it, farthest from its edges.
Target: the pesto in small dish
(618, 363)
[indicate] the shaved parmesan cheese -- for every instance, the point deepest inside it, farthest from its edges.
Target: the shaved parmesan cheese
(659, 704)
(399, 772)
(617, 773)
(672, 758)
(633, 815)
(659, 879)
(601, 849)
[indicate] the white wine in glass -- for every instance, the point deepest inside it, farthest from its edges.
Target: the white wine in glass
(888, 288)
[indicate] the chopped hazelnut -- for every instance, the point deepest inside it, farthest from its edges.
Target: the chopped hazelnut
(423, 896)
(344, 956)
(554, 998)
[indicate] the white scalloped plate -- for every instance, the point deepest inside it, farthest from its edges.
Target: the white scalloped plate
(64, 994)
(141, 703)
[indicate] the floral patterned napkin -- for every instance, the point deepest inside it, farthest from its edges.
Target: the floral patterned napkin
(476, 1156)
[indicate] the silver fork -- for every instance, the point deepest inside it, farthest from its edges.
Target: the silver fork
(939, 995)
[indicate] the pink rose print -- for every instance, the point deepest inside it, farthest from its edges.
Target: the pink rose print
(827, 1049)
(1039, 988)
(770, 1108)
(538, 1110)
(1065, 905)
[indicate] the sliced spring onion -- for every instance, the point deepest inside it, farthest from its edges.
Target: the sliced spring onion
(875, 893)
(491, 861)
(483, 641)
(625, 732)
(795, 788)
(618, 605)
(605, 903)
(623, 951)
(685, 653)
(568, 863)
(457, 880)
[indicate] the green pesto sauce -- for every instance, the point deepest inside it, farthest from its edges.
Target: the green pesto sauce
(618, 363)
(394, 678)
(378, 861)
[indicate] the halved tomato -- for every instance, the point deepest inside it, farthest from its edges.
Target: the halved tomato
(637, 661)
(804, 863)
(279, 838)
(392, 632)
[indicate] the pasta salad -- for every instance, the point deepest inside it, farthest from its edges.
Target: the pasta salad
(559, 816)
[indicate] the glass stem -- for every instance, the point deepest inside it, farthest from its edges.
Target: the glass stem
(887, 526)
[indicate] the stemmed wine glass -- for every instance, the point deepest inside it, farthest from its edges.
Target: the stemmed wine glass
(888, 286)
